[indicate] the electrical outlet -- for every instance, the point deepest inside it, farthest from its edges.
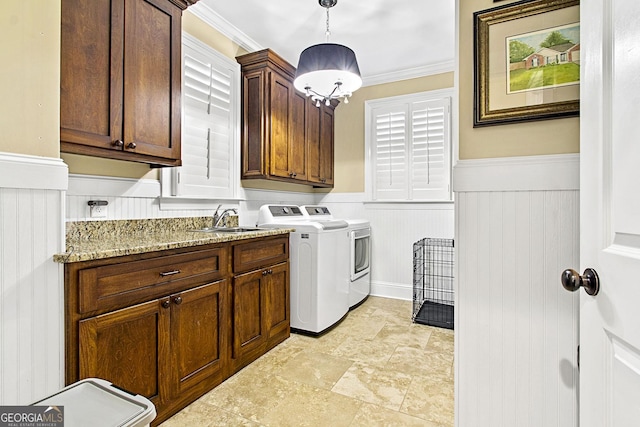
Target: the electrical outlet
(98, 211)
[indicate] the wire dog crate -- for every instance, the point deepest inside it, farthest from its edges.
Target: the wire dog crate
(433, 282)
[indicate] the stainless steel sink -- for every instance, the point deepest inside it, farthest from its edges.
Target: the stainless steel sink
(228, 229)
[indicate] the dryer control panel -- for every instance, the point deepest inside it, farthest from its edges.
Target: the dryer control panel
(290, 211)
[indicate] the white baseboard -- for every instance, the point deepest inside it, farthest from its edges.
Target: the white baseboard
(391, 290)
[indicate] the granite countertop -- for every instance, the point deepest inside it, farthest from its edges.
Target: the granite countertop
(91, 240)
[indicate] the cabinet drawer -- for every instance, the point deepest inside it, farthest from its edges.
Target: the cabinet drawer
(117, 285)
(262, 253)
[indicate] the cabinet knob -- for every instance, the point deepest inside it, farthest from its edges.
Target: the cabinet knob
(131, 145)
(265, 272)
(118, 143)
(177, 300)
(166, 303)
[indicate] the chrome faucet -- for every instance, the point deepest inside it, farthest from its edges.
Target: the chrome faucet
(217, 219)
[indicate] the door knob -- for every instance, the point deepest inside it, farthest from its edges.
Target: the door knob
(572, 280)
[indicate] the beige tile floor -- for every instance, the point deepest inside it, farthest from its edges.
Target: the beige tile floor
(376, 368)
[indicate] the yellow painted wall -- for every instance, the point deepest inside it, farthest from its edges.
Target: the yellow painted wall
(349, 126)
(559, 136)
(30, 77)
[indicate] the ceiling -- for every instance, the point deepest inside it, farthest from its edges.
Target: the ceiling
(393, 40)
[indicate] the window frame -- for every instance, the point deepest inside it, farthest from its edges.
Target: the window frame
(395, 102)
(170, 199)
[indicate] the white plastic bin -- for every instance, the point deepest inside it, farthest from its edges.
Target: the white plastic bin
(98, 403)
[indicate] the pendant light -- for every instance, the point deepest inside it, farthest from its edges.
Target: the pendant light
(327, 71)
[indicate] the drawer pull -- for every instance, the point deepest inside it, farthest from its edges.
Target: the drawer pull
(265, 272)
(169, 273)
(177, 300)
(166, 303)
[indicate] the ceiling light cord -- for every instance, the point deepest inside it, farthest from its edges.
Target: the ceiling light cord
(327, 32)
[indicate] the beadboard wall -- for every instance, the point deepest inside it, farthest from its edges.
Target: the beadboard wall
(31, 287)
(395, 226)
(516, 330)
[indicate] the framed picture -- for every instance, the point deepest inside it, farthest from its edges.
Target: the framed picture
(527, 62)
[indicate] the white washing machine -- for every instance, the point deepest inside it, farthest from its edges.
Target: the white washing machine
(359, 243)
(318, 258)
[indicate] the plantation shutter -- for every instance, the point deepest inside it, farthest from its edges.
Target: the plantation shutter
(208, 125)
(390, 160)
(411, 151)
(430, 130)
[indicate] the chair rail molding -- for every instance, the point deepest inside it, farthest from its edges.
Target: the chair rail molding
(32, 172)
(526, 173)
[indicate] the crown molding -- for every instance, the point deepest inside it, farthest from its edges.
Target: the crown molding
(410, 73)
(211, 17)
(183, 4)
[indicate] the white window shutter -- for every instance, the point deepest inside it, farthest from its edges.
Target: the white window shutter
(209, 119)
(430, 164)
(389, 156)
(410, 150)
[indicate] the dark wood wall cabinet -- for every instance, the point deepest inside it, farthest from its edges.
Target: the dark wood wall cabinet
(172, 325)
(285, 137)
(120, 79)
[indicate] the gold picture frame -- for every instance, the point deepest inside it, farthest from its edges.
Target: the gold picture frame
(526, 62)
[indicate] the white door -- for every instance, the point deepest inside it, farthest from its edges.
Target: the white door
(610, 212)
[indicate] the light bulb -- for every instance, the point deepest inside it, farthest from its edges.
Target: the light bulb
(327, 102)
(317, 103)
(346, 99)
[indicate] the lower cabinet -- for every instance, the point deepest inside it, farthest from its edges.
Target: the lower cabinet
(172, 325)
(160, 349)
(260, 298)
(261, 312)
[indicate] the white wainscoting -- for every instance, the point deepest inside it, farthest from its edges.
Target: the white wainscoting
(516, 328)
(31, 284)
(128, 199)
(395, 227)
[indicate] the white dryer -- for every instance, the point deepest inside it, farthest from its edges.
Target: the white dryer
(318, 258)
(358, 240)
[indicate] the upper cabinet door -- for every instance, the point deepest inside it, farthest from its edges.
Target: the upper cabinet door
(280, 141)
(152, 78)
(120, 79)
(320, 144)
(326, 146)
(298, 131)
(287, 121)
(91, 82)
